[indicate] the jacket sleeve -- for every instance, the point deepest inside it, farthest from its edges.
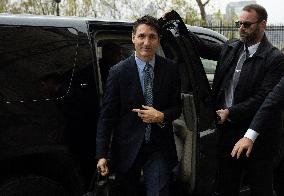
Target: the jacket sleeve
(274, 102)
(247, 109)
(109, 114)
(173, 110)
(205, 49)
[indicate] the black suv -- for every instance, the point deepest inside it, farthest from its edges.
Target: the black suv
(50, 95)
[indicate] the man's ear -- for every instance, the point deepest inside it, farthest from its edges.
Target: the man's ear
(133, 36)
(263, 24)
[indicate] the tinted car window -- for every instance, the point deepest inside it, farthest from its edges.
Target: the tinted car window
(209, 67)
(36, 62)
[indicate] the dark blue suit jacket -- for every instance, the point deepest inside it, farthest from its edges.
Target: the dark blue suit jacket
(124, 93)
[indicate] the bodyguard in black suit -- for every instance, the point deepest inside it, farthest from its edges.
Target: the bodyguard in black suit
(271, 107)
(239, 92)
(142, 99)
(273, 104)
(247, 70)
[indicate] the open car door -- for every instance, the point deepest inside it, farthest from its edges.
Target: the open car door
(195, 130)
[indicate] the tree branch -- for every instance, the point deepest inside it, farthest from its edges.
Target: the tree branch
(204, 4)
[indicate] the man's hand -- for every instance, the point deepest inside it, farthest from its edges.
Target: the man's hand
(241, 145)
(102, 166)
(223, 114)
(150, 114)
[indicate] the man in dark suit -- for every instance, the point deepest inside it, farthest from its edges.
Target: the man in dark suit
(247, 70)
(273, 104)
(142, 99)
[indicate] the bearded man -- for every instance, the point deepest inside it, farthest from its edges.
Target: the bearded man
(248, 68)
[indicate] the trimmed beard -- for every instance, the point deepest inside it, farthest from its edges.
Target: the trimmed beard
(250, 38)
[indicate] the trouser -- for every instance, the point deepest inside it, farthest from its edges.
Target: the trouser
(155, 172)
(258, 174)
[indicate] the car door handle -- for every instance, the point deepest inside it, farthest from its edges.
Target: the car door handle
(84, 85)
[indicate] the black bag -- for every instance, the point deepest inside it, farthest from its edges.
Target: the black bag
(101, 185)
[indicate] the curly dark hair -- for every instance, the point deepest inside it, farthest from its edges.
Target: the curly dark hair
(147, 20)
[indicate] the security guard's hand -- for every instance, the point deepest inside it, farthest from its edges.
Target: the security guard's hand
(149, 114)
(223, 115)
(102, 166)
(242, 145)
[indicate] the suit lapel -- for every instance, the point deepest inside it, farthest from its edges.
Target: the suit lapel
(247, 68)
(133, 75)
(158, 78)
(227, 64)
(132, 72)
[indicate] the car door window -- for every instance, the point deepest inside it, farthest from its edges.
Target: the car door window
(36, 63)
(210, 65)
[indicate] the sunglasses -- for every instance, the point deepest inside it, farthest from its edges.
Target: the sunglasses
(245, 24)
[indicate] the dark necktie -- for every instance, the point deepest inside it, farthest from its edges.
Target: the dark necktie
(148, 94)
(244, 55)
(229, 94)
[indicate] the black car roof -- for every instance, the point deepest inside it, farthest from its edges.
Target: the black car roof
(80, 23)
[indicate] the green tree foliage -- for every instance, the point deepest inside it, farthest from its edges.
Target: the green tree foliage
(70, 8)
(47, 7)
(192, 17)
(38, 7)
(3, 5)
(110, 8)
(116, 9)
(76, 8)
(185, 8)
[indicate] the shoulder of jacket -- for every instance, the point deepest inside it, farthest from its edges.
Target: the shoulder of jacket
(122, 64)
(165, 60)
(276, 52)
(272, 53)
(232, 42)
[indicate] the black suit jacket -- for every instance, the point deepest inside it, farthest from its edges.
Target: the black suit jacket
(271, 107)
(260, 73)
(273, 104)
(124, 93)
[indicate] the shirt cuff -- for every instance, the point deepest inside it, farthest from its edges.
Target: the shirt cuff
(251, 134)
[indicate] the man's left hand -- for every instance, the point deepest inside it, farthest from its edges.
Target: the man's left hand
(223, 115)
(241, 145)
(149, 114)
